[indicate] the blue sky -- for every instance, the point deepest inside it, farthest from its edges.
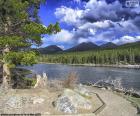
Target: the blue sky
(98, 21)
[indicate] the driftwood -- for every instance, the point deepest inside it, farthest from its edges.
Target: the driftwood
(41, 81)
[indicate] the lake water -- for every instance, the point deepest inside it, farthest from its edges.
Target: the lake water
(130, 78)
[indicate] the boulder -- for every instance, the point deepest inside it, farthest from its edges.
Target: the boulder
(41, 81)
(70, 101)
(83, 91)
(64, 104)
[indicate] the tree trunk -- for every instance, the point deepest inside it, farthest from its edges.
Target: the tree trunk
(6, 76)
(6, 70)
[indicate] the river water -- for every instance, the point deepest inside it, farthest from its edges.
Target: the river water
(129, 78)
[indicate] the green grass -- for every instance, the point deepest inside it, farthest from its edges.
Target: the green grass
(30, 80)
(133, 100)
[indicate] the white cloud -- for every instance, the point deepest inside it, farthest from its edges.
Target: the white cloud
(61, 46)
(137, 9)
(81, 40)
(68, 15)
(102, 10)
(127, 39)
(94, 27)
(92, 31)
(63, 36)
(128, 26)
(102, 24)
(99, 22)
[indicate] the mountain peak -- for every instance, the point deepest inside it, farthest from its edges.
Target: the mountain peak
(50, 49)
(108, 45)
(87, 43)
(85, 46)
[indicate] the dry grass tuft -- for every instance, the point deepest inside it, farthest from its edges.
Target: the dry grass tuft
(71, 81)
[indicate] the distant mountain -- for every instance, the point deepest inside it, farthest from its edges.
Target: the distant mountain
(108, 45)
(131, 45)
(87, 47)
(50, 49)
(83, 47)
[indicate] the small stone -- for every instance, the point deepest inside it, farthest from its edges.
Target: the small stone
(103, 88)
(37, 100)
(14, 102)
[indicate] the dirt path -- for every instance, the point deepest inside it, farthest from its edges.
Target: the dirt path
(115, 104)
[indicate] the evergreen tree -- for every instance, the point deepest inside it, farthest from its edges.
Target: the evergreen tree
(112, 56)
(20, 28)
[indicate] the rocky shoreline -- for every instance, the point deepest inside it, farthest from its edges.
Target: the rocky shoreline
(114, 66)
(53, 98)
(66, 102)
(111, 87)
(101, 65)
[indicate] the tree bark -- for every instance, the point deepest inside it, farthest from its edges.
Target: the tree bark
(6, 71)
(6, 76)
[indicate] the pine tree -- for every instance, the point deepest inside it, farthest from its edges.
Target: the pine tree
(20, 28)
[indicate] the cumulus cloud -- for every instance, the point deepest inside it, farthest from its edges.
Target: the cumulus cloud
(101, 22)
(95, 10)
(68, 15)
(127, 39)
(81, 40)
(63, 36)
(61, 46)
(100, 10)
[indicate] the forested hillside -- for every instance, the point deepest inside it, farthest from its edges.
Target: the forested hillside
(50, 49)
(122, 55)
(85, 46)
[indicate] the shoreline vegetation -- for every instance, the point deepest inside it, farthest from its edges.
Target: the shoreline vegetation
(129, 66)
(121, 58)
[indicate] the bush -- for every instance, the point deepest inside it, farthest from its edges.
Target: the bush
(19, 79)
(71, 80)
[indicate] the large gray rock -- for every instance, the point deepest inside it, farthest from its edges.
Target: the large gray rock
(70, 101)
(64, 104)
(83, 91)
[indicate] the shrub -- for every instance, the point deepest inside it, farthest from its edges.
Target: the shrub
(71, 80)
